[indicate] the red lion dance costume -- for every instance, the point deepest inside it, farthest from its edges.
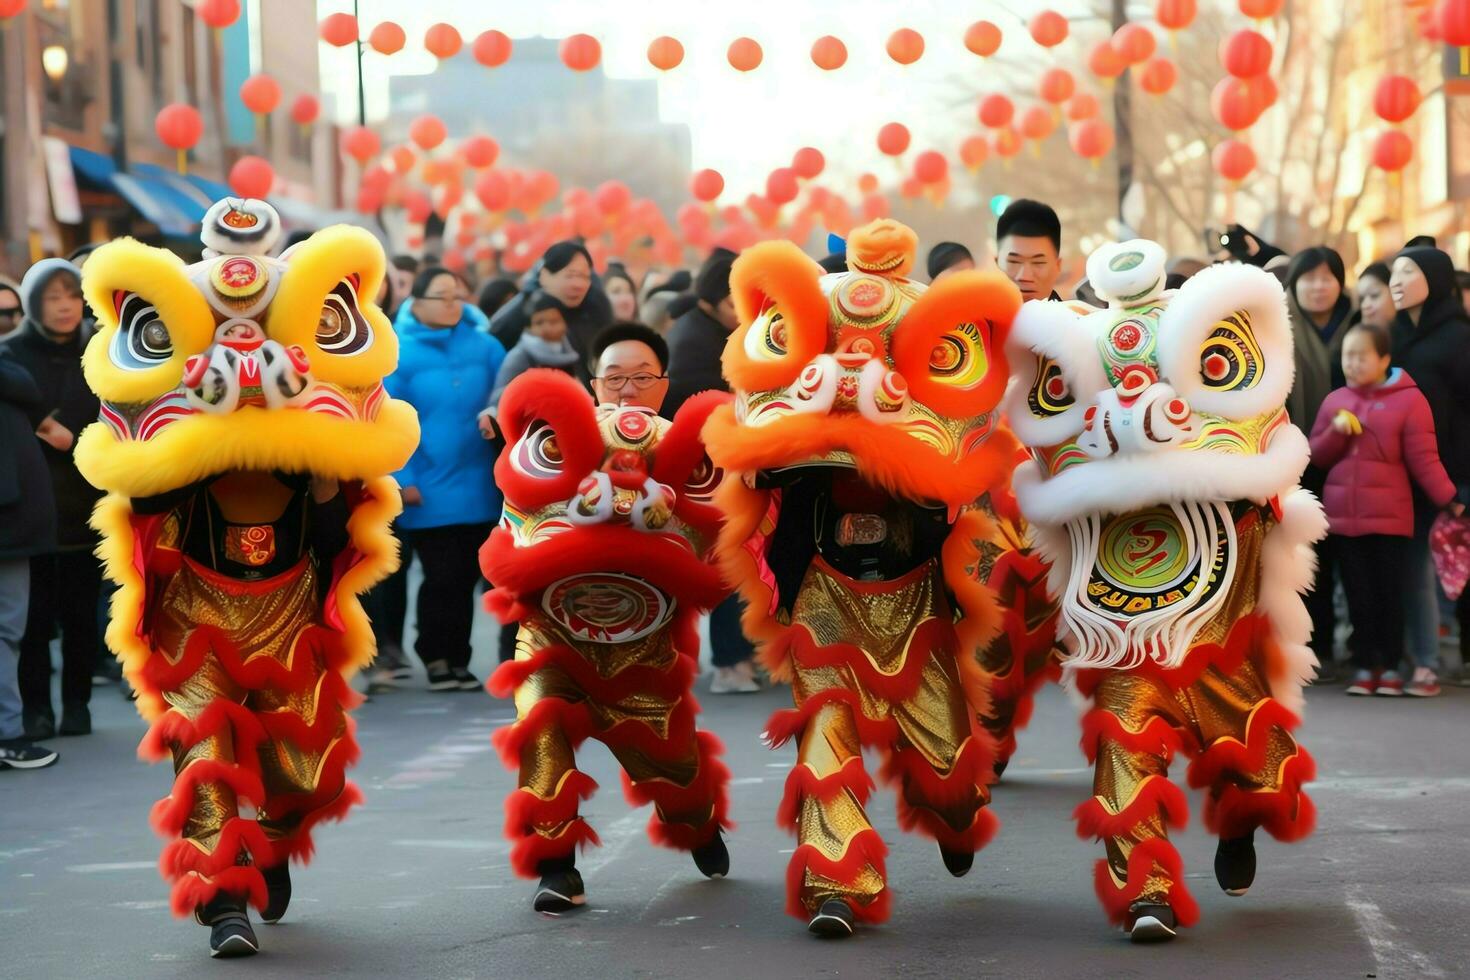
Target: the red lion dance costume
(1164, 491)
(869, 527)
(235, 393)
(602, 558)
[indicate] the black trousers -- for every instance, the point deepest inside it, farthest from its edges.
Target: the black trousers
(727, 642)
(450, 559)
(387, 603)
(1372, 568)
(64, 591)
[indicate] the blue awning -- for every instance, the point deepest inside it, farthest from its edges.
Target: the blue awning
(186, 197)
(212, 189)
(176, 208)
(94, 169)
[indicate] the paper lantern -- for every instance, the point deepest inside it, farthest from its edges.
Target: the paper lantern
(218, 14)
(996, 110)
(905, 46)
(1260, 9)
(480, 151)
(179, 127)
(491, 49)
(1092, 139)
(1234, 105)
(867, 184)
(377, 177)
(808, 162)
(973, 152)
(1084, 105)
(1262, 90)
(982, 38)
(1451, 21)
(1175, 15)
(454, 260)
(1158, 76)
(1056, 86)
(403, 158)
(360, 143)
(930, 167)
(252, 176)
(305, 109)
(427, 131)
(1048, 28)
(1233, 160)
(542, 187)
(665, 53)
(493, 191)
(875, 206)
(1245, 54)
(829, 53)
(1134, 43)
(612, 196)
(369, 200)
(1037, 123)
(260, 93)
(442, 41)
(1392, 150)
(744, 54)
(707, 185)
(1104, 62)
(893, 139)
(781, 186)
(338, 30)
(387, 38)
(1007, 142)
(580, 52)
(765, 210)
(1396, 98)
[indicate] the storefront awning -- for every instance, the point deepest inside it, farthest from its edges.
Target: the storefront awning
(212, 189)
(150, 191)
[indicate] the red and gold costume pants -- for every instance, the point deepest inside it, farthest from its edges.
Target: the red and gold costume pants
(256, 716)
(873, 664)
(633, 697)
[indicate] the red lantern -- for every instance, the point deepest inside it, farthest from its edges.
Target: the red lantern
(1262, 89)
(1260, 9)
(480, 151)
(765, 210)
(1084, 105)
(1396, 98)
(1175, 15)
(1057, 85)
(707, 185)
(1008, 143)
(905, 46)
(1452, 23)
(305, 109)
(1134, 43)
(982, 38)
(1104, 62)
(893, 139)
(1092, 139)
(973, 152)
(612, 196)
(260, 93)
(339, 30)
(875, 206)
(1235, 105)
(360, 143)
(808, 162)
(491, 49)
(443, 41)
(218, 14)
(542, 187)
(930, 167)
(580, 52)
(1037, 123)
(179, 127)
(1392, 150)
(665, 53)
(1233, 160)
(493, 191)
(387, 38)
(427, 131)
(454, 260)
(1048, 28)
(252, 177)
(403, 158)
(781, 186)
(744, 54)
(829, 53)
(377, 177)
(1158, 76)
(996, 111)
(369, 200)
(1245, 54)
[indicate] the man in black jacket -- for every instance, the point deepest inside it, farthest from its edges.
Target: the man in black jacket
(697, 338)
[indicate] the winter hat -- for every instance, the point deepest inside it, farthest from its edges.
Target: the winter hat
(34, 283)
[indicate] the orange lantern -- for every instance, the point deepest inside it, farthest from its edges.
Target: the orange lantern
(982, 38)
(781, 186)
(493, 191)
(996, 110)
(612, 196)
(1234, 105)
(542, 187)
(491, 49)
(930, 167)
(973, 152)
(1134, 43)
(707, 185)
(305, 109)
(427, 131)
(1057, 85)
(1048, 28)
(580, 52)
(1158, 76)
(893, 139)
(829, 53)
(369, 200)
(443, 41)
(1262, 90)
(1092, 139)
(218, 14)
(179, 127)
(252, 177)
(480, 151)
(808, 162)
(665, 53)
(1392, 150)
(403, 158)
(905, 46)
(1084, 105)
(867, 184)
(875, 206)
(1260, 9)
(360, 143)
(1104, 62)
(1245, 54)
(387, 38)
(1233, 160)
(1175, 15)
(744, 54)
(1007, 143)
(260, 93)
(338, 30)
(1396, 98)
(1037, 123)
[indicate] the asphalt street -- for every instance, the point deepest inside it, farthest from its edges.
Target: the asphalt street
(416, 884)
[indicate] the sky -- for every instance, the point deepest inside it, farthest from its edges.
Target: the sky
(744, 125)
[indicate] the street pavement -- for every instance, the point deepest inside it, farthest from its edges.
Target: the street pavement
(415, 883)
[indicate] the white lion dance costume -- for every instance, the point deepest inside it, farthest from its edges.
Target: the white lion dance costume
(1164, 490)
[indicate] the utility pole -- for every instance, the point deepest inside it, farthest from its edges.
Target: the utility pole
(1123, 115)
(361, 105)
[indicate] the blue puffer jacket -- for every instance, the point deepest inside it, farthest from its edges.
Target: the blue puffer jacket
(447, 375)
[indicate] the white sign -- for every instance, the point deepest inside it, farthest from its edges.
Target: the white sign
(64, 201)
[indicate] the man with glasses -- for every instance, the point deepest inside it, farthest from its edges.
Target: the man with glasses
(630, 366)
(9, 308)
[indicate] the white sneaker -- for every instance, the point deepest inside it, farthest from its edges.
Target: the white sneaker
(731, 680)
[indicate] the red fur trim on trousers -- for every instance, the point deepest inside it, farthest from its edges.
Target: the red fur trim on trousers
(528, 852)
(1251, 634)
(865, 848)
(172, 812)
(1141, 861)
(670, 683)
(787, 723)
(192, 891)
(1228, 755)
(707, 789)
(802, 782)
(922, 792)
(524, 810)
(1286, 813)
(298, 844)
(1157, 737)
(1156, 795)
(173, 728)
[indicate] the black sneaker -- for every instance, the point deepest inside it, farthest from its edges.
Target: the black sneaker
(712, 859)
(466, 680)
(561, 889)
(76, 719)
(1150, 922)
(18, 753)
(957, 863)
(39, 725)
(1235, 863)
(833, 920)
(277, 890)
(401, 672)
(441, 678)
(230, 934)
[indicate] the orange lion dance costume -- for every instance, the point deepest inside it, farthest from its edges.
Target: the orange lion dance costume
(602, 557)
(236, 393)
(867, 522)
(1165, 492)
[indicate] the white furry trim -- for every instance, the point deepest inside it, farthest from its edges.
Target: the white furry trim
(1194, 310)
(1054, 330)
(1288, 566)
(1123, 483)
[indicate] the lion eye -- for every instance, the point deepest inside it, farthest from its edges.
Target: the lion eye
(340, 326)
(142, 339)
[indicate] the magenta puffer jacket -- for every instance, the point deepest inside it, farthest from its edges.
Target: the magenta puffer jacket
(1368, 475)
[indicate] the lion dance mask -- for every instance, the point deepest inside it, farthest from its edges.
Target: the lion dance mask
(602, 557)
(868, 525)
(226, 386)
(1164, 489)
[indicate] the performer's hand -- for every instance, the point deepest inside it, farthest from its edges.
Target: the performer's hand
(55, 435)
(412, 497)
(486, 422)
(323, 488)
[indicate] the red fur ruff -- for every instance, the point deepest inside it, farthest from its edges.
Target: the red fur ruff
(523, 810)
(798, 643)
(802, 782)
(1287, 813)
(1249, 636)
(787, 723)
(1155, 850)
(670, 683)
(1227, 755)
(708, 788)
(1157, 737)
(192, 891)
(1155, 796)
(528, 852)
(238, 836)
(865, 848)
(172, 812)
(906, 768)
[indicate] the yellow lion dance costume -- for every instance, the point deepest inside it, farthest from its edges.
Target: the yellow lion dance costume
(235, 392)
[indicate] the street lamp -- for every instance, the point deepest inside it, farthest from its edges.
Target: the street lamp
(54, 61)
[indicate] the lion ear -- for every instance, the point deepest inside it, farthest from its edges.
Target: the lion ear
(777, 292)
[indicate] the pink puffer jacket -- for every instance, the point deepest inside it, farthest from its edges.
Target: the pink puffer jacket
(1368, 475)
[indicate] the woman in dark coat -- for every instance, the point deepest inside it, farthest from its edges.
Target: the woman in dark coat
(566, 272)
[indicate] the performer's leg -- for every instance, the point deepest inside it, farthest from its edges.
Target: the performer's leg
(682, 776)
